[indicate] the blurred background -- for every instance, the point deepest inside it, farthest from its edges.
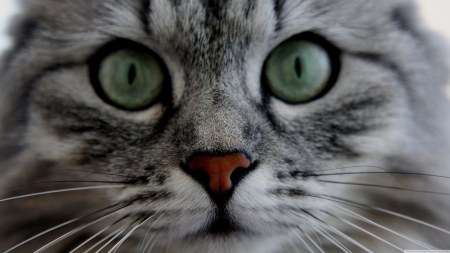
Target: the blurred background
(436, 13)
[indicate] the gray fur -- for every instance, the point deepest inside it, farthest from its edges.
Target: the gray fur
(386, 113)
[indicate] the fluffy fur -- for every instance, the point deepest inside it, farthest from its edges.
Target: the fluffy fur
(348, 167)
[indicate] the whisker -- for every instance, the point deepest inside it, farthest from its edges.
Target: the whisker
(378, 172)
(292, 243)
(117, 234)
(141, 243)
(331, 238)
(59, 226)
(359, 217)
(312, 215)
(100, 173)
(384, 187)
(334, 230)
(94, 236)
(116, 247)
(365, 231)
(171, 238)
(41, 234)
(60, 191)
(79, 228)
(385, 171)
(351, 167)
(64, 181)
(312, 241)
(395, 214)
(412, 219)
(340, 201)
(306, 246)
(304, 223)
(150, 239)
(317, 221)
(89, 239)
(153, 244)
(105, 238)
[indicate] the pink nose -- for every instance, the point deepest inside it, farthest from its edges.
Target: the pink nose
(219, 169)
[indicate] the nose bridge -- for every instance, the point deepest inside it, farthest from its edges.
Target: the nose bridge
(219, 126)
(213, 121)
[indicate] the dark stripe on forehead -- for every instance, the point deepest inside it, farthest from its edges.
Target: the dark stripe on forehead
(278, 7)
(175, 3)
(145, 15)
(214, 7)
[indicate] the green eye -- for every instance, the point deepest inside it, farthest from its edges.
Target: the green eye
(130, 79)
(298, 71)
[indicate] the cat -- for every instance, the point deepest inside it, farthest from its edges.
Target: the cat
(223, 126)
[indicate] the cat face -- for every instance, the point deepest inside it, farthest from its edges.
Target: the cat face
(222, 126)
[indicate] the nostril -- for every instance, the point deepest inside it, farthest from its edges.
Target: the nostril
(201, 176)
(219, 173)
(238, 174)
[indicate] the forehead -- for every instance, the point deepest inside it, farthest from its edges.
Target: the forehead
(234, 18)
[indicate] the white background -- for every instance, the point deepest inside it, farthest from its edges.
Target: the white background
(7, 8)
(436, 13)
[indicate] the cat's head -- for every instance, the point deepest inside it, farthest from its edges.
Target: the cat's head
(218, 126)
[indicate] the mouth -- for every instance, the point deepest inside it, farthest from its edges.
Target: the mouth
(222, 225)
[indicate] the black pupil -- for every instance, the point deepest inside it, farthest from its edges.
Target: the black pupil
(298, 68)
(131, 74)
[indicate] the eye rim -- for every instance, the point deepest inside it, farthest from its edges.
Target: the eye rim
(96, 59)
(334, 54)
